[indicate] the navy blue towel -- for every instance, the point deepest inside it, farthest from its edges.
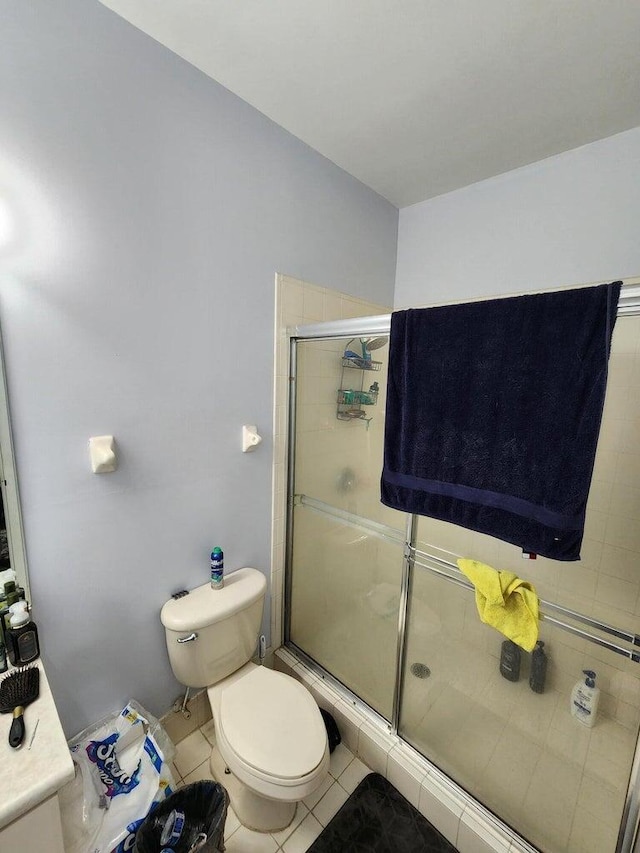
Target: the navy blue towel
(493, 414)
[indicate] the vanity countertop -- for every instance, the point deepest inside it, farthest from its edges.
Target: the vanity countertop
(30, 775)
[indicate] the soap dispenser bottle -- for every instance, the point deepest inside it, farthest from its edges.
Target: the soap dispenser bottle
(538, 674)
(584, 699)
(22, 636)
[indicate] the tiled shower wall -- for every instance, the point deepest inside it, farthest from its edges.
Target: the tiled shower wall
(605, 583)
(297, 302)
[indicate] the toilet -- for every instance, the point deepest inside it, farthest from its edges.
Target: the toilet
(271, 743)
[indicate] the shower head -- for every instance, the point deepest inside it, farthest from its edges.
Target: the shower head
(369, 344)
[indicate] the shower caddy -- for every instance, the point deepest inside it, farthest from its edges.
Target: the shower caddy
(351, 401)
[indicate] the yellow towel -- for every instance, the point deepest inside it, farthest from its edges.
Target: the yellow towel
(505, 602)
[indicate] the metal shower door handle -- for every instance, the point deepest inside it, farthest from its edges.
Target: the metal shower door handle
(188, 639)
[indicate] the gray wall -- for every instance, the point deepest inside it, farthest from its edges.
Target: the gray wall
(151, 209)
(570, 219)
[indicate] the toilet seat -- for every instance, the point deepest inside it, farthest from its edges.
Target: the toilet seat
(270, 733)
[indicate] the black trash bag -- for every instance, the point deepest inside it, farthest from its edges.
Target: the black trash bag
(333, 735)
(189, 821)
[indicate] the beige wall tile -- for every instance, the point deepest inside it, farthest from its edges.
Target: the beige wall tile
(312, 304)
(617, 593)
(440, 807)
(480, 836)
(374, 748)
(406, 774)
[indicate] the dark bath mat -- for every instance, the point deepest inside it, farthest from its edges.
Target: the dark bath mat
(377, 819)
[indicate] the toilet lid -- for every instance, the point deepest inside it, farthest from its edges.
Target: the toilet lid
(273, 724)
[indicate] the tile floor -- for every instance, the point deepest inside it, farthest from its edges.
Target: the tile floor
(191, 764)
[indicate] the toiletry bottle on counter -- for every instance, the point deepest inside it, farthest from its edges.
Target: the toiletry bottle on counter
(584, 699)
(217, 568)
(538, 673)
(12, 594)
(510, 661)
(22, 636)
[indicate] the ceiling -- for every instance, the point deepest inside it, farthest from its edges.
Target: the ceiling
(417, 97)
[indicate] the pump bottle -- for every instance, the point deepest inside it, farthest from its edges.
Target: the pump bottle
(510, 656)
(22, 636)
(584, 699)
(538, 673)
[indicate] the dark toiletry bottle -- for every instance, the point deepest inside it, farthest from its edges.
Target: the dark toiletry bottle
(22, 636)
(538, 668)
(510, 661)
(3, 658)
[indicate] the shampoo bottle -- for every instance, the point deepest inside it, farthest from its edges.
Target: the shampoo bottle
(510, 656)
(584, 699)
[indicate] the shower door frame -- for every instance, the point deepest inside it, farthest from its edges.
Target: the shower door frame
(372, 326)
(629, 305)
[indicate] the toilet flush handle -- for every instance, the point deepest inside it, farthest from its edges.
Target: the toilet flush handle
(188, 639)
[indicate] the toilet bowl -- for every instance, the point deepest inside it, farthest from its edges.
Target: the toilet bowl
(271, 743)
(271, 737)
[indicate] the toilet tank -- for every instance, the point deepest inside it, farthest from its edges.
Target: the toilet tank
(226, 624)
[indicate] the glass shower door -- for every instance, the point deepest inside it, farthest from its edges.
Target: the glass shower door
(522, 753)
(346, 552)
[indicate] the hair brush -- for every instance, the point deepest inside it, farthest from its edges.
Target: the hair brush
(16, 692)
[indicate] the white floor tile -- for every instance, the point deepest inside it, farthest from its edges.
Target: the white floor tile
(245, 840)
(353, 775)
(199, 774)
(301, 812)
(332, 801)
(302, 838)
(191, 752)
(319, 792)
(340, 759)
(231, 824)
(209, 731)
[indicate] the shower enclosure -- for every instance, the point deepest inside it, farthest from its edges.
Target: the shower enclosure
(375, 600)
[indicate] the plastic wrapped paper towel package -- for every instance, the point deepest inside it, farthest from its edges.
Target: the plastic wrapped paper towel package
(122, 772)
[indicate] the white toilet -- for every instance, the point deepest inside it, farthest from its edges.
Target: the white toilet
(271, 742)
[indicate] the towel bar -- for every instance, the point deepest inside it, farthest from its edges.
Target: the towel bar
(420, 558)
(549, 612)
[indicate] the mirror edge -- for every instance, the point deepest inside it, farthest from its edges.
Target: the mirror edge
(9, 486)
